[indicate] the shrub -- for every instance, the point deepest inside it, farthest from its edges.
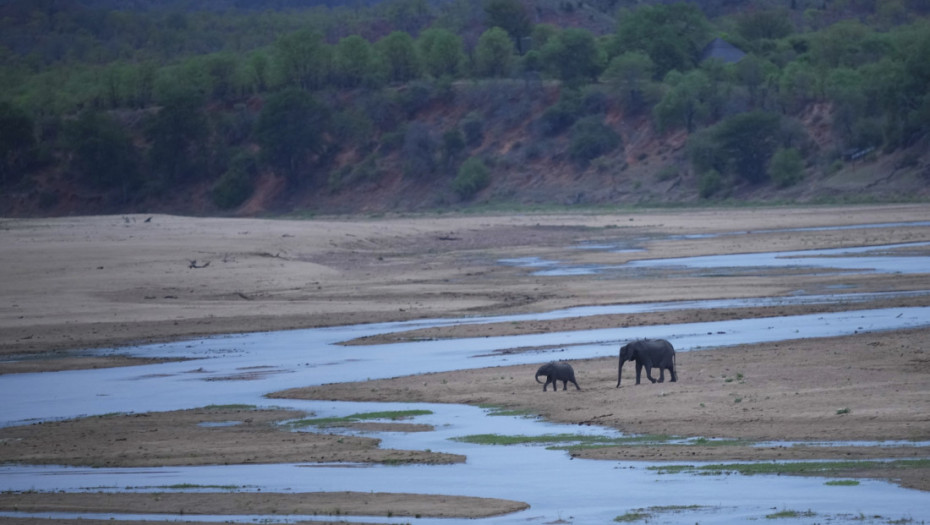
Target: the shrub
(591, 138)
(419, 151)
(473, 128)
(710, 183)
(786, 167)
(473, 176)
(236, 185)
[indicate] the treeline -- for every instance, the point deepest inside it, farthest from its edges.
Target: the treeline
(139, 104)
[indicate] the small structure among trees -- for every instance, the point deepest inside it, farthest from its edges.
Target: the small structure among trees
(722, 50)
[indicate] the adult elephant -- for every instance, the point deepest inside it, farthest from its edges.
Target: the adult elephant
(557, 371)
(648, 353)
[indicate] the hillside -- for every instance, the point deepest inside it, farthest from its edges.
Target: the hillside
(594, 103)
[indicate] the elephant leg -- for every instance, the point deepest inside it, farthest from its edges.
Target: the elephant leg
(649, 373)
(639, 371)
(576, 384)
(671, 371)
(661, 375)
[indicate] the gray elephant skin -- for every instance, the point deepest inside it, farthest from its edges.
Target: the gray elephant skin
(648, 353)
(557, 371)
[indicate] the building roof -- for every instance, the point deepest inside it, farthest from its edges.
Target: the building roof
(722, 50)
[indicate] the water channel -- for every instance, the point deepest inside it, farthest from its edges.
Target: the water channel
(557, 488)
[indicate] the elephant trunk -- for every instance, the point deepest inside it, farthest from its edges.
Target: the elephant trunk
(537, 376)
(619, 372)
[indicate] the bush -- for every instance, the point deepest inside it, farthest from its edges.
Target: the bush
(473, 128)
(473, 177)
(236, 185)
(786, 167)
(591, 138)
(710, 183)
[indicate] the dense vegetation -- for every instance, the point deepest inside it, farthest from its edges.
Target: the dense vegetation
(139, 102)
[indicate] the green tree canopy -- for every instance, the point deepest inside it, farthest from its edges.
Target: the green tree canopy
(441, 52)
(686, 102)
(630, 76)
(512, 17)
(672, 35)
(102, 153)
(747, 142)
(17, 142)
(177, 133)
(291, 130)
(303, 59)
(399, 57)
(355, 62)
(574, 56)
(494, 54)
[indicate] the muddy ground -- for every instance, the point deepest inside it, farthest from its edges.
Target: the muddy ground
(88, 282)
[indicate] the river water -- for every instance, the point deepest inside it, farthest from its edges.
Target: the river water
(558, 488)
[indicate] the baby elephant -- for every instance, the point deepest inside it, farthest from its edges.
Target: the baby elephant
(557, 371)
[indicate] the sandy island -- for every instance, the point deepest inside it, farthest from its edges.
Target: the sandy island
(88, 282)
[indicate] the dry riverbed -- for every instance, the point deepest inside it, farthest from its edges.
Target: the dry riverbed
(85, 282)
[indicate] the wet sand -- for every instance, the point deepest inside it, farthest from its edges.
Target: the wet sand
(88, 282)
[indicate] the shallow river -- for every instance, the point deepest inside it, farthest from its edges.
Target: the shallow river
(555, 486)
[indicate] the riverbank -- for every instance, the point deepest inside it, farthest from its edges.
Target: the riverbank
(90, 282)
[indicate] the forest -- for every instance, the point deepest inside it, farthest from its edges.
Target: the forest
(249, 107)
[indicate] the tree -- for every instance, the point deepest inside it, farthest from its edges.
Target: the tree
(630, 76)
(17, 143)
(765, 25)
(473, 176)
(399, 57)
(355, 63)
(797, 85)
(441, 52)
(102, 152)
(754, 72)
(843, 87)
(258, 67)
(176, 133)
(748, 141)
(303, 59)
(494, 54)
(291, 130)
(672, 35)
(574, 56)
(512, 17)
(686, 101)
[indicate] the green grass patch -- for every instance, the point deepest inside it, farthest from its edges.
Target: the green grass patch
(230, 407)
(496, 410)
(394, 415)
(189, 486)
(574, 442)
(631, 517)
(650, 512)
(789, 514)
(806, 467)
(842, 483)
(561, 440)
